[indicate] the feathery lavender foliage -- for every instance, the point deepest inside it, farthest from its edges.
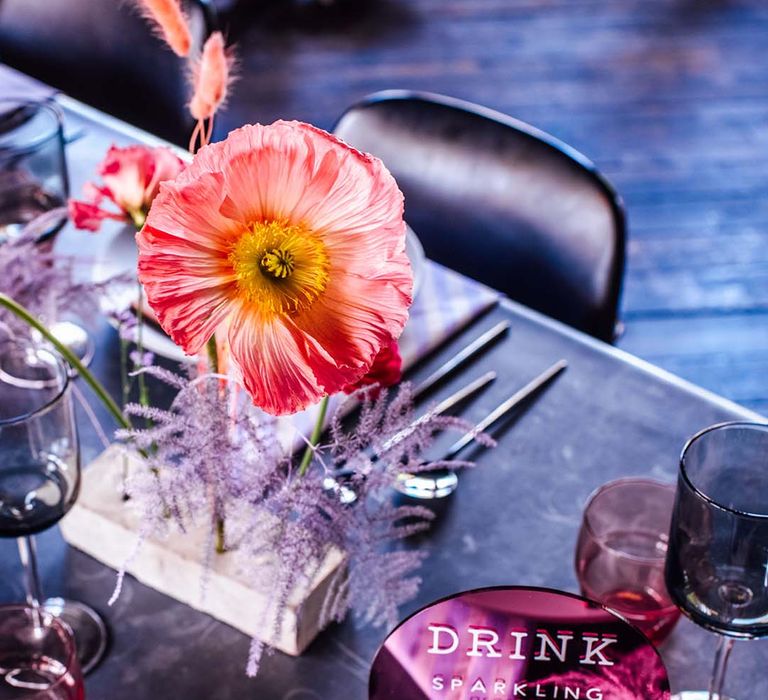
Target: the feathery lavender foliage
(213, 455)
(44, 281)
(208, 453)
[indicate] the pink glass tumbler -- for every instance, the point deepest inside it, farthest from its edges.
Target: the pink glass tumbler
(621, 551)
(38, 657)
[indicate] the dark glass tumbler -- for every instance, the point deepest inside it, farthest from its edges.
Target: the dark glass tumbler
(33, 169)
(717, 563)
(34, 188)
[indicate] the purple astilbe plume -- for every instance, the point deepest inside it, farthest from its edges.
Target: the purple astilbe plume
(126, 323)
(212, 457)
(142, 359)
(311, 514)
(43, 281)
(207, 455)
(386, 441)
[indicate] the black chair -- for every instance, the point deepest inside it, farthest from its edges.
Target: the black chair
(501, 202)
(103, 53)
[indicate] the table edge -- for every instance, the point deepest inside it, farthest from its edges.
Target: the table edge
(630, 359)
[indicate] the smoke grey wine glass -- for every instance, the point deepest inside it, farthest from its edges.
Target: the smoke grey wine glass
(40, 471)
(717, 561)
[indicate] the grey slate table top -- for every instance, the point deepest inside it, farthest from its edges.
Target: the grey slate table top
(513, 520)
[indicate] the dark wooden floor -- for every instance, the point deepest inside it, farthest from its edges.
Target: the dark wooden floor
(668, 97)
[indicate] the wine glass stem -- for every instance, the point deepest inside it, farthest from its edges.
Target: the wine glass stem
(724, 648)
(28, 556)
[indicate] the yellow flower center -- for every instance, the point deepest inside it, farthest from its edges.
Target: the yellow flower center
(280, 267)
(278, 262)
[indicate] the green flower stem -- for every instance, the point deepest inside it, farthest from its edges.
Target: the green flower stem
(138, 217)
(125, 393)
(125, 384)
(20, 312)
(314, 438)
(220, 546)
(213, 354)
(143, 391)
(213, 366)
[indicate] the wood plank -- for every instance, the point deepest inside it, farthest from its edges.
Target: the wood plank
(698, 335)
(742, 378)
(726, 354)
(721, 287)
(736, 246)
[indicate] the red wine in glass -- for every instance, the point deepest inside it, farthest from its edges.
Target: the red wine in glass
(39, 677)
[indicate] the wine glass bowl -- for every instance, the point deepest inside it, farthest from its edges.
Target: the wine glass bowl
(621, 551)
(718, 557)
(39, 452)
(40, 473)
(38, 659)
(717, 563)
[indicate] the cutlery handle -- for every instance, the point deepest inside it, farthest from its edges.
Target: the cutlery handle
(505, 407)
(455, 398)
(459, 359)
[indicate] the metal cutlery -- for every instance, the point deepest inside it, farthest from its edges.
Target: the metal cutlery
(507, 406)
(347, 494)
(446, 404)
(465, 355)
(443, 482)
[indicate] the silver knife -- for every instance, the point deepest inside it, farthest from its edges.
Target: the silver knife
(455, 398)
(461, 358)
(505, 407)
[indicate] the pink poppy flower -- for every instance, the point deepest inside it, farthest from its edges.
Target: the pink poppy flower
(291, 245)
(386, 370)
(131, 178)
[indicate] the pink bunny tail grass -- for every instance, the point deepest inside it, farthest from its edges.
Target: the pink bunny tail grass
(168, 18)
(212, 75)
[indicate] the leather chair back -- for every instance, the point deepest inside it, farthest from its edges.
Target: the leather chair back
(103, 53)
(501, 202)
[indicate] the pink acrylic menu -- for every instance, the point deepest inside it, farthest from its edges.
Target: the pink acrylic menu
(512, 642)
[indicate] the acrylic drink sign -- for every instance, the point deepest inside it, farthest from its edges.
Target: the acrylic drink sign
(512, 642)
